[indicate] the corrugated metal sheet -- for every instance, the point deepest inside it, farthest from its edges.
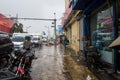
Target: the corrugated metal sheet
(79, 4)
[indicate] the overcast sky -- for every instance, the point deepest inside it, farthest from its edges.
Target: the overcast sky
(35, 9)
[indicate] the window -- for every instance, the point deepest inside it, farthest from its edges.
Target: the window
(102, 29)
(102, 33)
(18, 39)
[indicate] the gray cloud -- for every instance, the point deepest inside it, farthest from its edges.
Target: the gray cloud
(33, 8)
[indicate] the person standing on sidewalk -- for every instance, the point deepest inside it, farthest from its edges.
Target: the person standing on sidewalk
(65, 42)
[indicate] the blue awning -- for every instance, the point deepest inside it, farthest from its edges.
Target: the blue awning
(79, 4)
(82, 5)
(94, 5)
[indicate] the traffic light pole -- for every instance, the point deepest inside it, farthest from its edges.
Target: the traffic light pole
(55, 28)
(54, 20)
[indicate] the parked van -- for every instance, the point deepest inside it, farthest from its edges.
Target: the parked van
(18, 40)
(36, 40)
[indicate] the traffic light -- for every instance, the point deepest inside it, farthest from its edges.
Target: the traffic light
(53, 25)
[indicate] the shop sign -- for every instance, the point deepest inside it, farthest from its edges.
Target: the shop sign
(105, 22)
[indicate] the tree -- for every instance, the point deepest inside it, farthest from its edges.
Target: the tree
(17, 27)
(20, 28)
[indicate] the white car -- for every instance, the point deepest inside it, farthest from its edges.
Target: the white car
(18, 41)
(36, 41)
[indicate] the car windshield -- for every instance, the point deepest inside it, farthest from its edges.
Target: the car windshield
(18, 39)
(35, 39)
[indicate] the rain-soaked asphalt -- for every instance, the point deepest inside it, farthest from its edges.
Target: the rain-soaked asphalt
(49, 64)
(55, 63)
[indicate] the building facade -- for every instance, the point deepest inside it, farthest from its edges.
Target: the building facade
(101, 26)
(71, 26)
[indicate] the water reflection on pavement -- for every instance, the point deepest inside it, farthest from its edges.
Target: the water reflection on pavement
(49, 64)
(55, 63)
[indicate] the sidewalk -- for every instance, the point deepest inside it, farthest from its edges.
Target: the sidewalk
(76, 72)
(79, 71)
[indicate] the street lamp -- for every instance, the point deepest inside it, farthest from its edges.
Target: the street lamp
(54, 25)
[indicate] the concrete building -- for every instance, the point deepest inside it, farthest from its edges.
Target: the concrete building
(101, 26)
(71, 26)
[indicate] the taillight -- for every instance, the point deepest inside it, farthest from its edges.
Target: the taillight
(20, 70)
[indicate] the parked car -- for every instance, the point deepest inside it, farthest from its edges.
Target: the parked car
(18, 41)
(6, 47)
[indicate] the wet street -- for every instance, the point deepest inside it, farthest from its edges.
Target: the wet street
(54, 63)
(49, 64)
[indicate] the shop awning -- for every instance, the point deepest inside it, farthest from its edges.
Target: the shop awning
(115, 44)
(79, 4)
(93, 5)
(5, 21)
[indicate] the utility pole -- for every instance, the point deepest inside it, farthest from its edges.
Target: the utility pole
(55, 27)
(16, 20)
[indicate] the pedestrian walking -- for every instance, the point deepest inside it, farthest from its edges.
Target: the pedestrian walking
(61, 39)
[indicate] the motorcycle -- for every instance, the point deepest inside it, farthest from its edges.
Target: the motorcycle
(21, 61)
(8, 75)
(14, 58)
(93, 59)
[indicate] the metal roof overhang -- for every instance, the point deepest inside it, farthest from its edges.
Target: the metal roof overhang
(71, 18)
(79, 5)
(92, 6)
(87, 5)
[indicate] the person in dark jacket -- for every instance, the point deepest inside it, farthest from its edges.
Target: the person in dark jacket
(27, 43)
(66, 41)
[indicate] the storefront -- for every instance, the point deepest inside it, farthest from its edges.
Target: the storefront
(104, 28)
(100, 26)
